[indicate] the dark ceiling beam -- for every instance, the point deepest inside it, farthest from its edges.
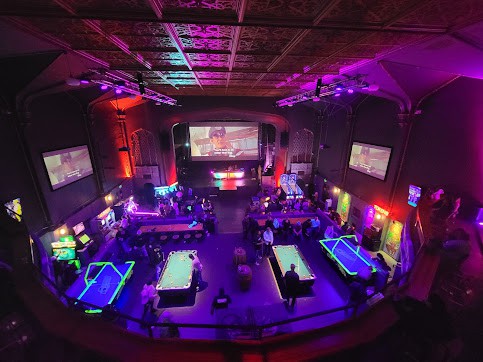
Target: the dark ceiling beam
(467, 40)
(298, 38)
(248, 21)
(157, 7)
(114, 40)
(236, 38)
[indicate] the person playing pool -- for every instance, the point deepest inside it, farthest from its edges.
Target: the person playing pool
(197, 268)
(292, 281)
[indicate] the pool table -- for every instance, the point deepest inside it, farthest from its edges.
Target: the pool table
(348, 257)
(290, 254)
(106, 285)
(175, 278)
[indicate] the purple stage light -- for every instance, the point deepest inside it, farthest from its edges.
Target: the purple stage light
(104, 87)
(84, 81)
(350, 90)
(480, 223)
(118, 91)
(338, 89)
(316, 99)
(337, 95)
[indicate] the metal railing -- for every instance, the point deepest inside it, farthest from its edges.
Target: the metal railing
(249, 330)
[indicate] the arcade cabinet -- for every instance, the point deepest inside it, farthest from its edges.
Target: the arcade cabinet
(84, 243)
(103, 222)
(65, 250)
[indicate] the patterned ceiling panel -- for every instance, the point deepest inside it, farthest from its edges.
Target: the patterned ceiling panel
(288, 9)
(200, 5)
(445, 13)
(271, 27)
(89, 41)
(206, 44)
(165, 63)
(134, 28)
(248, 65)
(374, 11)
(324, 42)
(198, 57)
(253, 58)
(204, 31)
(270, 46)
(179, 74)
(108, 5)
(148, 42)
(171, 56)
(258, 33)
(217, 82)
(244, 76)
(212, 75)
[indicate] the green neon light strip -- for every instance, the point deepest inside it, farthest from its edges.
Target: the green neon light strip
(123, 280)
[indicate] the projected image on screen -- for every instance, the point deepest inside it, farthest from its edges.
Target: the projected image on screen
(369, 159)
(68, 165)
(224, 141)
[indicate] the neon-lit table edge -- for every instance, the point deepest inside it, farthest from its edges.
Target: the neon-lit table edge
(176, 289)
(310, 279)
(93, 281)
(344, 239)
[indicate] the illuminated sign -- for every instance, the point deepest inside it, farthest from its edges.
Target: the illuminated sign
(381, 210)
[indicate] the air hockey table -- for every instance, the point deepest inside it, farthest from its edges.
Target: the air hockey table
(106, 285)
(348, 258)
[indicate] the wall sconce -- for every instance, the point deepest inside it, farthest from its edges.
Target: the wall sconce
(108, 198)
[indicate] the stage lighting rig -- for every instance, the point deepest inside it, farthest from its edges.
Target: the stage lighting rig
(346, 85)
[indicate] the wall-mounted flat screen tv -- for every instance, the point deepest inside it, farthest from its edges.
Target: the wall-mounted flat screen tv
(223, 141)
(371, 160)
(67, 165)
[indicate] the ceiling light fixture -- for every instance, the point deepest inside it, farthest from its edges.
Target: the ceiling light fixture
(133, 87)
(348, 84)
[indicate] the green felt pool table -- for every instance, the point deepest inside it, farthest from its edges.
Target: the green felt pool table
(177, 273)
(288, 254)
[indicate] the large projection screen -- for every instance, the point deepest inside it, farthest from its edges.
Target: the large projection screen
(67, 165)
(223, 141)
(370, 159)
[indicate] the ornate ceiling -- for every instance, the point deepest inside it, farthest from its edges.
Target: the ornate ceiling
(236, 47)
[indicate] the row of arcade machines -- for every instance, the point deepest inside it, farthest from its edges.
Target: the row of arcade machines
(378, 230)
(79, 247)
(289, 185)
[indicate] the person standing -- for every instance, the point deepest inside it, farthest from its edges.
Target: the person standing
(292, 281)
(197, 268)
(268, 241)
(148, 294)
(258, 248)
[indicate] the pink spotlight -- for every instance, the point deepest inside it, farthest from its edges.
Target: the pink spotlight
(104, 87)
(350, 90)
(337, 95)
(118, 91)
(316, 99)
